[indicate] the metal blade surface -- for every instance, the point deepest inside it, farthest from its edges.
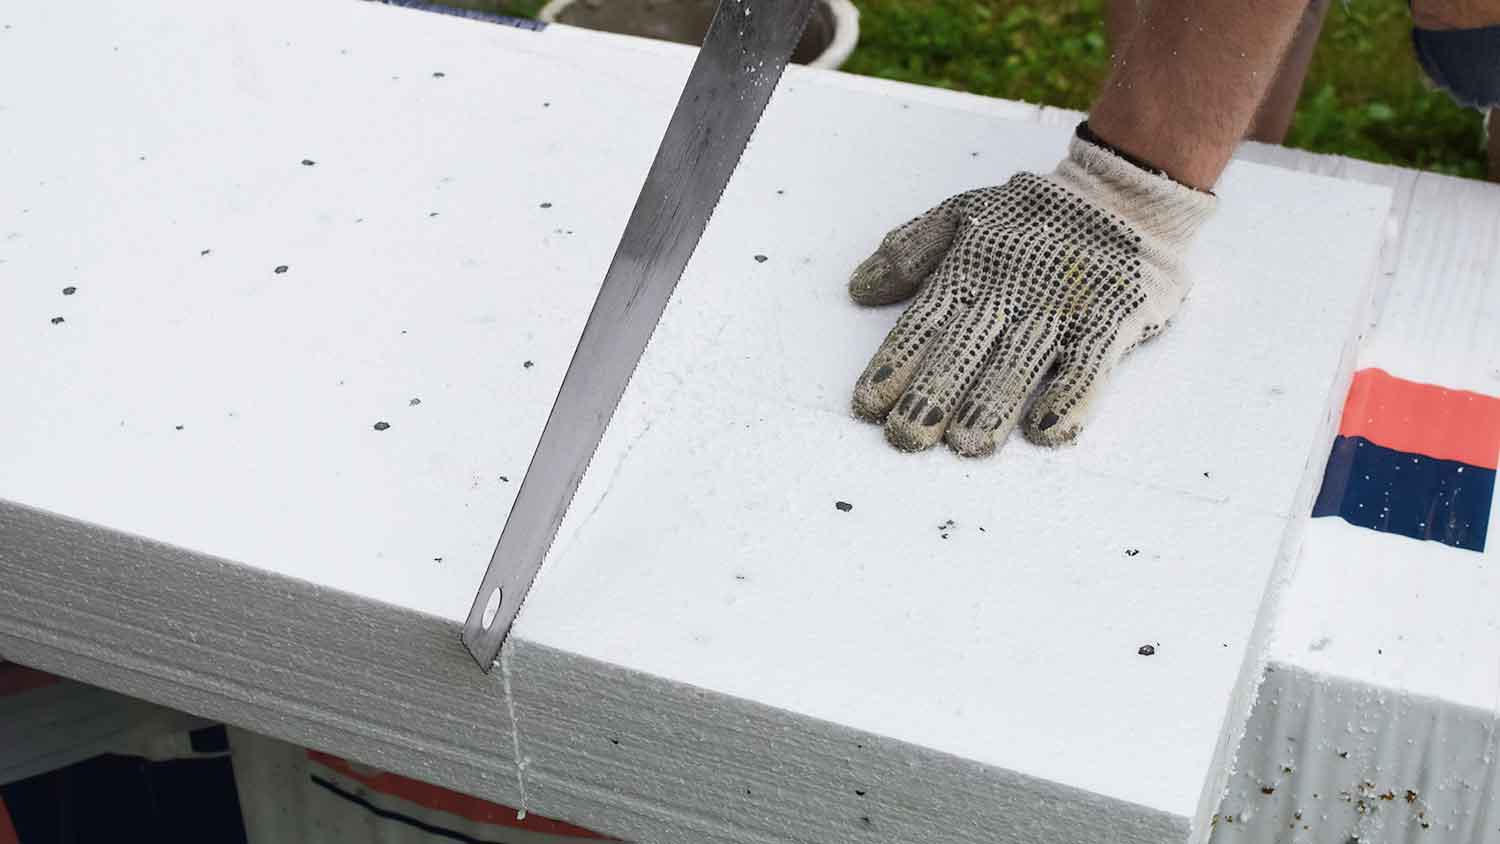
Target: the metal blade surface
(747, 46)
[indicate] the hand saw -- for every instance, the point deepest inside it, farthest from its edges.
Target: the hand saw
(747, 46)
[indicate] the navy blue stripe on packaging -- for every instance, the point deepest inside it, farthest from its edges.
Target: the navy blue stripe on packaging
(1383, 489)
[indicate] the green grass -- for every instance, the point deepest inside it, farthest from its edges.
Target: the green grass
(1364, 95)
(1052, 53)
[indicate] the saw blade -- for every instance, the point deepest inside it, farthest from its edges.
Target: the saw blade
(744, 53)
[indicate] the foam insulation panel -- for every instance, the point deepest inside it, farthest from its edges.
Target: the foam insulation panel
(977, 622)
(290, 288)
(1376, 721)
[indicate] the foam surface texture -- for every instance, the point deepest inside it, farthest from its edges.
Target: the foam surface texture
(1376, 721)
(197, 507)
(713, 495)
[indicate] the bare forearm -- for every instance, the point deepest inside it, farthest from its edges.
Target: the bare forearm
(1187, 85)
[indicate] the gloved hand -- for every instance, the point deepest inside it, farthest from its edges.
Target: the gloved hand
(1063, 272)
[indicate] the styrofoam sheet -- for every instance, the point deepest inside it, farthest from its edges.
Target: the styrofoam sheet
(1377, 719)
(418, 262)
(279, 563)
(196, 506)
(731, 570)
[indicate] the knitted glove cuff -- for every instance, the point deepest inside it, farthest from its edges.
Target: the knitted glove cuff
(1165, 213)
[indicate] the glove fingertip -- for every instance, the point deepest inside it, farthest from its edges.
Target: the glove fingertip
(867, 406)
(1045, 427)
(970, 442)
(917, 430)
(875, 282)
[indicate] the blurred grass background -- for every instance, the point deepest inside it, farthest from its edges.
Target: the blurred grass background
(1364, 96)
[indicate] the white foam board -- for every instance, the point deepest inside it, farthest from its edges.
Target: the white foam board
(1011, 653)
(274, 563)
(1376, 721)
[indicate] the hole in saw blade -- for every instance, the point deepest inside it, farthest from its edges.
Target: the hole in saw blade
(491, 608)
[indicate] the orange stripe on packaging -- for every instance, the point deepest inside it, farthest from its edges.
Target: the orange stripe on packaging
(1423, 419)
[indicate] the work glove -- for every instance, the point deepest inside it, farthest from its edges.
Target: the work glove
(1045, 278)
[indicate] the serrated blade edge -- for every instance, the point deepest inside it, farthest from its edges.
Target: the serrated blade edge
(744, 53)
